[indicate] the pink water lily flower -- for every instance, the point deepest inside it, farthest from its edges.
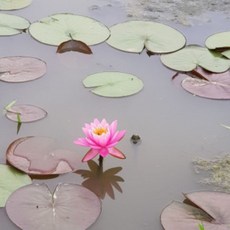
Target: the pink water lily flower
(101, 137)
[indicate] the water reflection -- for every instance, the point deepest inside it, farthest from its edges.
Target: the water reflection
(99, 181)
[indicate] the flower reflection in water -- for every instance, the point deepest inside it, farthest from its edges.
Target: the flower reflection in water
(99, 181)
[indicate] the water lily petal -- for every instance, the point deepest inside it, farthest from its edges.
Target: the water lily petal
(81, 141)
(113, 127)
(118, 136)
(90, 155)
(116, 153)
(104, 152)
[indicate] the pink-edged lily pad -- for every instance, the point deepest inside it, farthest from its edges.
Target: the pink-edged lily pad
(70, 206)
(41, 156)
(21, 69)
(27, 113)
(206, 84)
(209, 208)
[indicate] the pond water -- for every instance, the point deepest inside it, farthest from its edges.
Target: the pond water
(175, 127)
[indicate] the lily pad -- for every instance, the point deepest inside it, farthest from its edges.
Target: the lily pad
(134, 36)
(214, 86)
(21, 69)
(59, 28)
(218, 40)
(73, 45)
(14, 4)
(10, 180)
(113, 84)
(70, 206)
(210, 208)
(12, 25)
(41, 156)
(28, 113)
(192, 56)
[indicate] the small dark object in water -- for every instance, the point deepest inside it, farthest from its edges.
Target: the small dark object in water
(135, 138)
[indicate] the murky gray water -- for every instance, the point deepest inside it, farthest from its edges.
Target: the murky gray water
(175, 127)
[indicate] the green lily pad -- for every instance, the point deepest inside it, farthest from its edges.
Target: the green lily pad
(218, 40)
(226, 54)
(193, 56)
(59, 28)
(113, 84)
(12, 25)
(10, 180)
(134, 36)
(14, 4)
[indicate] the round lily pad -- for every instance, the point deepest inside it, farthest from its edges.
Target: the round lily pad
(113, 84)
(14, 4)
(21, 69)
(41, 156)
(12, 25)
(218, 40)
(70, 206)
(214, 86)
(190, 57)
(27, 113)
(59, 28)
(208, 208)
(10, 180)
(134, 36)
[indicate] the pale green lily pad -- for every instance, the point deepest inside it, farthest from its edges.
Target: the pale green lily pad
(192, 56)
(113, 84)
(226, 53)
(59, 28)
(10, 180)
(12, 25)
(14, 4)
(219, 40)
(134, 36)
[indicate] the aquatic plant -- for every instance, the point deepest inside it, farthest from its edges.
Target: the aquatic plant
(101, 137)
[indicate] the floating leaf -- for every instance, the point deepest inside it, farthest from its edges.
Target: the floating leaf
(10, 180)
(218, 40)
(193, 56)
(71, 207)
(73, 45)
(12, 25)
(28, 113)
(59, 28)
(210, 208)
(134, 36)
(226, 53)
(217, 86)
(113, 84)
(14, 4)
(21, 69)
(41, 156)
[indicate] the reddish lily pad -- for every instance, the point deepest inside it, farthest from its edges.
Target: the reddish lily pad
(207, 84)
(74, 45)
(21, 69)
(210, 208)
(28, 113)
(71, 207)
(41, 156)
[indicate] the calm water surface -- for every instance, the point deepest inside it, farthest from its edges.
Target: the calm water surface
(175, 127)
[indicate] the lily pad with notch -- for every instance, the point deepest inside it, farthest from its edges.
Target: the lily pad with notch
(27, 113)
(41, 156)
(14, 4)
(209, 208)
(11, 179)
(64, 27)
(192, 56)
(212, 85)
(134, 36)
(21, 69)
(12, 24)
(70, 206)
(113, 84)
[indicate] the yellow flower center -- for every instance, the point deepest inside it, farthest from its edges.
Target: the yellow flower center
(100, 130)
